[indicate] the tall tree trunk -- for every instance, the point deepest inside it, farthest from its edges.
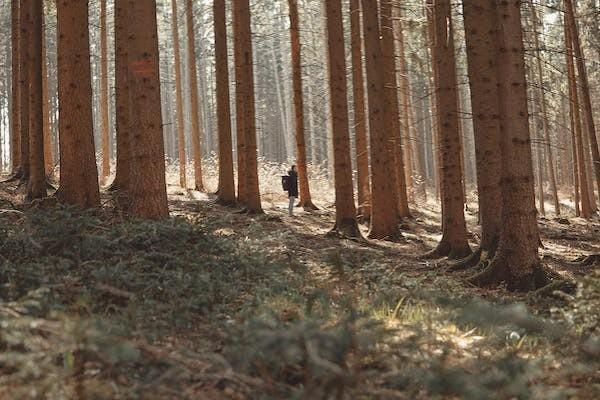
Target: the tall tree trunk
(483, 80)
(539, 158)
(148, 190)
(123, 131)
(360, 121)
(585, 89)
(437, 161)
(384, 214)
(194, 98)
(345, 210)
(226, 179)
(36, 187)
(305, 197)
(391, 34)
(104, 93)
(179, 96)
(15, 131)
(454, 243)
(245, 102)
(586, 207)
(407, 131)
(78, 172)
(545, 119)
(24, 39)
(517, 261)
(48, 155)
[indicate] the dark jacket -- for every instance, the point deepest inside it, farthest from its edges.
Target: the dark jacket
(293, 192)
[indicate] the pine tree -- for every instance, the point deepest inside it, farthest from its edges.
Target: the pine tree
(345, 210)
(104, 93)
(178, 96)
(246, 116)
(148, 191)
(305, 197)
(226, 195)
(123, 132)
(36, 186)
(24, 39)
(15, 129)
(360, 120)
(516, 261)
(384, 212)
(483, 79)
(454, 243)
(194, 97)
(78, 172)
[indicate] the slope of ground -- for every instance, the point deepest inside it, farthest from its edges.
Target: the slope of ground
(215, 304)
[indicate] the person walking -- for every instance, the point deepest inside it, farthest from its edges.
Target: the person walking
(292, 189)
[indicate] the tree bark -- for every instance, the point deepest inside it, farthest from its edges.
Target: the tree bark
(454, 243)
(483, 80)
(517, 261)
(179, 97)
(148, 191)
(15, 132)
(246, 116)
(585, 89)
(48, 154)
(123, 133)
(345, 214)
(78, 172)
(305, 197)
(104, 93)
(383, 124)
(194, 98)
(545, 119)
(586, 207)
(226, 194)
(24, 38)
(36, 186)
(360, 121)
(391, 34)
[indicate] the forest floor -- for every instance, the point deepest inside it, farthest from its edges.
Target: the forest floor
(215, 304)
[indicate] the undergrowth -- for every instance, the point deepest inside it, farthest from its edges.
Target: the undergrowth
(91, 308)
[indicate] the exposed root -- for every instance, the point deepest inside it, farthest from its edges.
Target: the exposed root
(347, 229)
(474, 259)
(564, 286)
(498, 272)
(307, 206)
(585, 261)
(442, 250)
(225, 203)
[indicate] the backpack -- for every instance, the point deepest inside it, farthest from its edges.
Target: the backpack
(285, 183)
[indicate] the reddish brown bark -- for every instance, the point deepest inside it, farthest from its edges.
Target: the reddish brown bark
(305, 197)
(517, 261)
(24, 38)
(48, 153)
(345, 215)
(226, 194)
(148, 191)
(384, 212)
(178, 96)
(123, 133)
(36, 186)
(246, 117)
(15, 131)
(104, 93)
(194, 97)
(586, 208)
(585, 89)
(454, 243)
(483, 79)
(360, 121)
(78, 173)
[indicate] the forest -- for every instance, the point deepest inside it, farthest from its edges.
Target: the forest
(297, 199)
